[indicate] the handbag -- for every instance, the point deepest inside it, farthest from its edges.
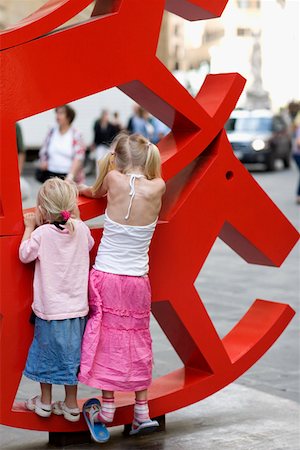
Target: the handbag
(41, 175)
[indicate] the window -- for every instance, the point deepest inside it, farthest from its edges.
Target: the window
(230, 124)
(244, 32)
(252, 124)
(278, 125)
(249, 4)
(177, 29)
(212, 35)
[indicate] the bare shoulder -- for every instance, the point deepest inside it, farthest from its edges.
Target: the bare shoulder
(159, 184)
(113, 176)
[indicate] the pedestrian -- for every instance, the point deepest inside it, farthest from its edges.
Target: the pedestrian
(135, 109)
(104, 133)
(24, 185)
(149, 126)
(117, 123)
(160, 130)
(117, 346)
(59, 243)
(63, 151)
(296, 150)
(139, 123)
(20, 147)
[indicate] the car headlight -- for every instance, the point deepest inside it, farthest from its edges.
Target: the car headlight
(258, 144)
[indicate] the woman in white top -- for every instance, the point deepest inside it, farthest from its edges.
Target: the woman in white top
(63, 151)
(117, 346)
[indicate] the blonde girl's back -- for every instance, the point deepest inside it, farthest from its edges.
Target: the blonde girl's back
(146, 204)
(134, 187)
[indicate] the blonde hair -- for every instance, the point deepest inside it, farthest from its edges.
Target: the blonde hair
(56, 200)
(127, 152)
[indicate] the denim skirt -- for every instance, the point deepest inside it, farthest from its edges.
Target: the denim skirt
(54, 355)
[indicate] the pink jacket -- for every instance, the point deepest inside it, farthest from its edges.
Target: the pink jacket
(60, 286)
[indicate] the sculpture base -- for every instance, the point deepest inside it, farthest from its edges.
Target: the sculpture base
(83, 437)
(160, 419)
(63, 439)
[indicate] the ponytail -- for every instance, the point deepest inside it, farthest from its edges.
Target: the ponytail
(104, 165)
(153, 162)
(129, 151)
(69, 225)
(67, 221)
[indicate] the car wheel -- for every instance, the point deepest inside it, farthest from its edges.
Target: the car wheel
(270, 163)
(287, 161)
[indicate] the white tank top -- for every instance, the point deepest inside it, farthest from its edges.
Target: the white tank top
(123, 249)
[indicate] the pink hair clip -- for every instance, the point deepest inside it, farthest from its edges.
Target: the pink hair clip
(65, 215)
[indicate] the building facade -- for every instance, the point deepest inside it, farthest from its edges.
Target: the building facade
(221, 45)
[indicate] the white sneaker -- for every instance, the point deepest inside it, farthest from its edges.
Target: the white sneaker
(71, 414)
(41, 409)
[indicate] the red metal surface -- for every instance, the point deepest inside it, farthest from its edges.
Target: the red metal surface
(209, 193)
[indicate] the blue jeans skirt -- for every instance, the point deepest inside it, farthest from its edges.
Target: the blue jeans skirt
(54, 355)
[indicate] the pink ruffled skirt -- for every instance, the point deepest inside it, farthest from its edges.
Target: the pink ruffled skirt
(117, 346)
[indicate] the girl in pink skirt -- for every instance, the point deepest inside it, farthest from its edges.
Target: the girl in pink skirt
(117, 346)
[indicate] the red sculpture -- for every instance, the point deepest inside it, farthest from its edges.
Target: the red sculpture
(209, 192)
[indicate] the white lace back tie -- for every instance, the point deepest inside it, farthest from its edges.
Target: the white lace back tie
(133, 177)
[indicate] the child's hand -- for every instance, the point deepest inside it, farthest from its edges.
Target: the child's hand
(44, 165)
(85, 190)
(81, 188)
(39, 220)
(30, 220)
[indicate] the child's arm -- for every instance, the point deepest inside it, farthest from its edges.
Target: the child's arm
(88, 191)
(30, 244)
(30, 224)
(85, 190)
(102, 190)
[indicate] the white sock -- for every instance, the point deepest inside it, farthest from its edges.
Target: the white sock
(107, 410)
(141, 411)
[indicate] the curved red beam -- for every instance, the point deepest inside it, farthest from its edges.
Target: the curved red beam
(45, 19)
(199, 167)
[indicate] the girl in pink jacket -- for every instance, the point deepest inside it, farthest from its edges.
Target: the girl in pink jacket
(60, 247)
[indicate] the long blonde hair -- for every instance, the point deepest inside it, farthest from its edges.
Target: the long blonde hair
(57, 201)
(127, 152)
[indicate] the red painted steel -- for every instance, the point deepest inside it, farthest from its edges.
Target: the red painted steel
(209, 192)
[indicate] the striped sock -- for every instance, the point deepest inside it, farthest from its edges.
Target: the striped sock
(141, 411)
(107, 410)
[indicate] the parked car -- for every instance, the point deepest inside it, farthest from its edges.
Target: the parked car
(259, 136)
